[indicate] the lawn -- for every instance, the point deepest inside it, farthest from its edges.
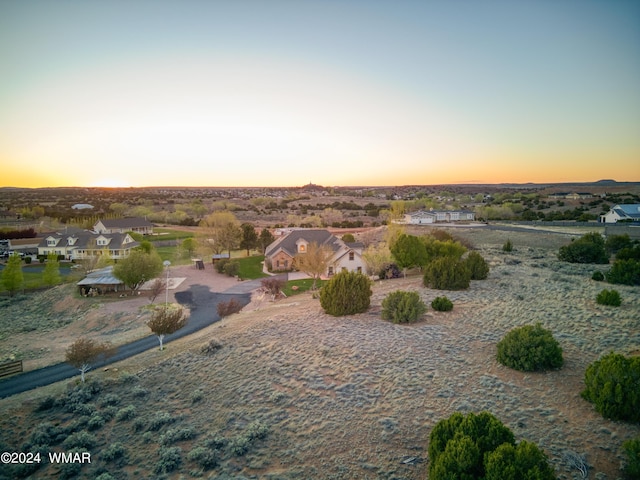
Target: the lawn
(163, 234)
(251, 267)
(303, 285)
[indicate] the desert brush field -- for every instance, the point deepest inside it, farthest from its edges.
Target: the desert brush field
(283, 391)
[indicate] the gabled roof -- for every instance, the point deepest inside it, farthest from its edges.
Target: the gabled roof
(629, 210)
(104, 276)
(128, 222)
(289, 243)
(86, 240)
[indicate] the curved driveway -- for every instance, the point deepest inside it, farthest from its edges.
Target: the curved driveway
(202, 303)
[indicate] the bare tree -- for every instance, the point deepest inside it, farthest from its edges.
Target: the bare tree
(166, 320)
(220, 231)
(84, 351)
(314, 262)
(157, 287)
(272, 286)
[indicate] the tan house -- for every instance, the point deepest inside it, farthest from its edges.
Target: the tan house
(346, 256)
(124, 225)
(78, 246)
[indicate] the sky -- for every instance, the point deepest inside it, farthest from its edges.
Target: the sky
(287, 92)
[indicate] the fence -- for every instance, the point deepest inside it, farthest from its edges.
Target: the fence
(10, 368)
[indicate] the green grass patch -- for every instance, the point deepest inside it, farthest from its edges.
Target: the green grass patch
(251, 267)
(163, 234)
(302, 286)
(172, 254)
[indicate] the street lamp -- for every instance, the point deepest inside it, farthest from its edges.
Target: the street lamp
(166, 264)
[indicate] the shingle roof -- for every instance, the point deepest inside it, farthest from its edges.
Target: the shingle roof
(126, 222)
(85, 240)
(104, 276)
(289, 245)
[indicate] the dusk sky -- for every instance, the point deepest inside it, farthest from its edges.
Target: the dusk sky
(283, 93)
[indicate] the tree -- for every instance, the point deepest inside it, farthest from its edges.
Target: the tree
(137, 268)
(348, 238)
(625, 272)
(587, 249)
(376, 257)
(189, 245)
(51, 273)
(314, 262)
(12, 276)
(524, 461)
(166, 320)
(84, 351)
(103, 260)
(266, 239)
(409, 251)
(220, 231)
(447, 273)
(249, 239)
(346, 293)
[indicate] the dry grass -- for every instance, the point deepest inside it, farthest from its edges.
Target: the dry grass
(356, 397)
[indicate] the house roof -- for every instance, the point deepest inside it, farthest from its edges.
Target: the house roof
(289, 245)
(629, 210)
(128, 222)
(88, 240)
(104, 276)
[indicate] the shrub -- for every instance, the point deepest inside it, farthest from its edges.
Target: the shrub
(598, 276)
(388, 271)
(587, 249)
(478, 266)
(479, 446)
(625, 272)
(170, 459)
(80, 439)
(47, 434)
(197, 396)
(273, 286)
(113, 452)
(220, 264)
(177, 435)
(609, 297)
(615, 243)
(232, 268)
(96, 422)
(239, 445)
(257, 430)
(629, 253)
(508, 246)
(346, 293)
(126, 413)
(204, 457)
(402, 307)
(159, 420)
(530, 349)
(612, 386)
(632, 465)
(211, 347)
(110, 399)
(228, 308)
(447, 273)
(442, 304)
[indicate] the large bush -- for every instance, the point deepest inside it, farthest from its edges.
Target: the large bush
(530, 349)
(479, 446)
(625, 272)
(609, 297)
(632, 465)
(587, 249)
(613, 386)
(478, 266)
(403, 307)
(447, 273)
(346, 293)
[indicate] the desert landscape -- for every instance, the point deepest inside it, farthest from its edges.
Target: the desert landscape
(282, 390)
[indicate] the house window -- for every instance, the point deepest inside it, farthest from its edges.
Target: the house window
(51, 242)
(286, 264)
(330, 271)
(351, 256)
(302, 248)
(277, 263)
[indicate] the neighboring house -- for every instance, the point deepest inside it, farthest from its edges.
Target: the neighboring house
(346, 256)
(124, 225)
(83, 245)
(626, 212)
(28, 246)
(434, 216)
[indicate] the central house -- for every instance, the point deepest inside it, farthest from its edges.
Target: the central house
(280, 254)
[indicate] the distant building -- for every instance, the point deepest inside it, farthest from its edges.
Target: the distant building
(623, 212)
(124, 225)
(81, 206)
(439, 216)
